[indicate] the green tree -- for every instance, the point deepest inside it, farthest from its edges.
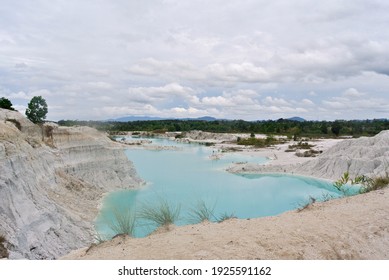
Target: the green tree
(37, 109)
(6, 104)
(324, 128)
(335, 128)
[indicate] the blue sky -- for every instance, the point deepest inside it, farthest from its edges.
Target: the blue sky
(248, 59)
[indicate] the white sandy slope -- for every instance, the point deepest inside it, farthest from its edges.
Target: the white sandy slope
(51, 183)
(349, 228)
(367, 156)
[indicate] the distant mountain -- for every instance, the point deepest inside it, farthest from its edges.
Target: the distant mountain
(136, 118)
(297, 119)
(147, 118)
(205, 118)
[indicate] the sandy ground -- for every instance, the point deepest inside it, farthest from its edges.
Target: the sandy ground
(348, 228)
(277, 154)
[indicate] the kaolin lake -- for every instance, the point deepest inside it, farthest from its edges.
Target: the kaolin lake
(187, 176)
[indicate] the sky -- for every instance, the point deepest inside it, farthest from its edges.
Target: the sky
(246, 59)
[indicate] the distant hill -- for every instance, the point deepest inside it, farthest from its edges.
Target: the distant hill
(205, 118)
(297, 119)
(137, 118)
(147, 118)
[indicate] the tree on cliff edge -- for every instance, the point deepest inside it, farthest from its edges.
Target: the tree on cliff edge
(6, 104)
(37, 109)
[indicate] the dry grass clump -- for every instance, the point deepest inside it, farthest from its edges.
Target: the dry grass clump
(225, 216)
(375, 184)
(123, 222)
(162, 214)
(305, 205)
(201, 212)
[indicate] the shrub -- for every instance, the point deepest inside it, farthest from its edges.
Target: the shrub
(163, 214)
(301, 145)
(339, 184)
(374, 184)
(368, 184)
(6, 104)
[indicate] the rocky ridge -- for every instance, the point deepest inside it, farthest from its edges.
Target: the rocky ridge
(367, 156)
(51, 181)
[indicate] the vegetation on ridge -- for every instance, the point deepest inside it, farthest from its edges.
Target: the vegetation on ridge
(37, 109)
(6, 104)
(290, 128)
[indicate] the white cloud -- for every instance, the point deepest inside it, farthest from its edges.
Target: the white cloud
(352, 92)
(234, 72)
(159, 94)
(20, 95)
(275, 101)
(354, 102)
(307, 102)
(246, 59)
(217, 101)
(100, 85)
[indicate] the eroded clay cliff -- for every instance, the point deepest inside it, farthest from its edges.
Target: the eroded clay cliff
(51, 181)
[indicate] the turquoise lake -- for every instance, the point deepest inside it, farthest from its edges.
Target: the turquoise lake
(186, 176)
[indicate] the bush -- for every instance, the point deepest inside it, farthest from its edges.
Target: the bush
(6, 104)
(301, 145)
(367, 184)
(258, 142)
(375, 184)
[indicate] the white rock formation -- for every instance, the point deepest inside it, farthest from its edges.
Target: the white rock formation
(367, 156)
(363, 156)
(51, 183)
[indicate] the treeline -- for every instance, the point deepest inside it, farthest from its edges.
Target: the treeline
(336, 128)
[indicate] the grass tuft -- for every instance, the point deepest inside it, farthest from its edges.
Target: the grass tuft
(375, 184)
(162, 214)
(201, 212)
(225, 216)
(123, 222)
(305, 205)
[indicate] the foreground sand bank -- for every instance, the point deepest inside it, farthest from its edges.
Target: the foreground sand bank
(349, 228)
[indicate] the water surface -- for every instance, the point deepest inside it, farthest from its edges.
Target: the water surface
(187, 176)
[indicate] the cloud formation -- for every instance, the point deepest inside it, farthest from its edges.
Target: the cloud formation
(248, 59)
